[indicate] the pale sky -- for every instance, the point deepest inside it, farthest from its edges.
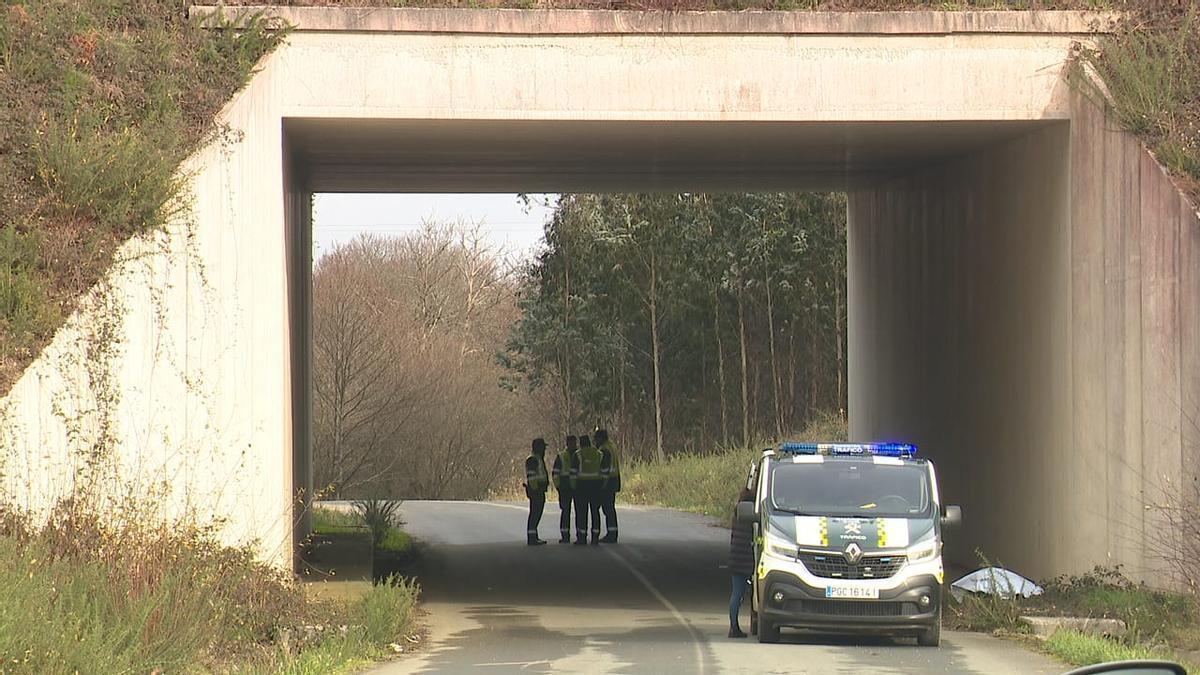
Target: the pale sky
(510, 226)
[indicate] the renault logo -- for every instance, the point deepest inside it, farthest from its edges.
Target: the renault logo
(854, 553)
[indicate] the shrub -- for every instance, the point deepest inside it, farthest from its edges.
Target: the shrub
(92, 593)
(386, 610)
(380, 516)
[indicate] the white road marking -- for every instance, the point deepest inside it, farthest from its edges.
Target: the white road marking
(696, 641)
(678, 616)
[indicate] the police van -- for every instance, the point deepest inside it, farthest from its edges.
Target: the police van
(848, 538)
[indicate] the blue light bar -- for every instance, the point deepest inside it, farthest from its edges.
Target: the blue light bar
(902, 450)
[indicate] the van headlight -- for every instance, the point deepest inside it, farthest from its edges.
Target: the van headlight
(926, 550)
(779, 547)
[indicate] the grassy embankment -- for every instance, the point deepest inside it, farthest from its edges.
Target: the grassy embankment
(1151, 72)
(709, 483)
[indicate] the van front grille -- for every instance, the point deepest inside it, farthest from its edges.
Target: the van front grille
(834, 566)
(862, 608)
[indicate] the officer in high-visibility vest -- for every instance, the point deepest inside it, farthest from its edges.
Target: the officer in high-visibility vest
(536, 484)
(562, 482)
(611, 469)
(586, 479)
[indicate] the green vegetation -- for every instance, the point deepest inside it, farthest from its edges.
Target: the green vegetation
(90, 594)
(100, 100)
(1151, 72)
(395, 541)
(1150, 615)
(1159, 623)
(329, 521)
(380, 516)
(1079, 649)
(709, 484)
(391, 538)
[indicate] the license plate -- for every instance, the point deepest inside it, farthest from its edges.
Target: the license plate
(851, 592)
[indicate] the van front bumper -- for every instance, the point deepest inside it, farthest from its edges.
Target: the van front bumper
(788, 600)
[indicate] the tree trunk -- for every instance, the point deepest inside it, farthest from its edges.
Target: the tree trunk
(841, 368)
(720, 367)
(658, 424)
(569, 413)
(774, 361)
(745, 371)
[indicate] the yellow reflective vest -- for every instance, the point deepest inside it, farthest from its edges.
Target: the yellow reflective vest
(536, 476)
(587, 465)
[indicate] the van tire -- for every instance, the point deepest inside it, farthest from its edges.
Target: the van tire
(753, 622)
(767, 631)
(932, 636)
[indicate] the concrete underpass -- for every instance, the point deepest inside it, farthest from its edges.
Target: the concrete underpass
(1024, 288)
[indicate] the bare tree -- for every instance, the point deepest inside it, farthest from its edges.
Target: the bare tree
(409, 400)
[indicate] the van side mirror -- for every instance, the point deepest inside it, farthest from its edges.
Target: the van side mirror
(951, 516)
(745, 512)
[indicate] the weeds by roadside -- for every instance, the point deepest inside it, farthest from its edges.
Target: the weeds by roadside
(99, 593)
(1079, 649)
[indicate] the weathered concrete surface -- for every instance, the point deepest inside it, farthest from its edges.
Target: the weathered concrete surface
(1028, 315)
(1045, 626)
(609, 22)
(973, 288)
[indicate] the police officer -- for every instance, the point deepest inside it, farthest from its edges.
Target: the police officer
(586, 480)
(562, 482)
(536, 484)
(611, 469)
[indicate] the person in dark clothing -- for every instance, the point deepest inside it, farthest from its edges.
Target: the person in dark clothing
(586, 480)
(562, 482)
(741, 564)
(536, 484)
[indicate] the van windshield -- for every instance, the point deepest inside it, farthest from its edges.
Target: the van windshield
(851, 488)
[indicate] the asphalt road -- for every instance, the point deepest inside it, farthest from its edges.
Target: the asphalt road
(655, 603)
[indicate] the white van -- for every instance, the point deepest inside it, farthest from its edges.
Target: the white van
(848, 538)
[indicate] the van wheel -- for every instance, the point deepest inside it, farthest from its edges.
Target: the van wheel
(767, 631)
(753, 622)
(932, 636)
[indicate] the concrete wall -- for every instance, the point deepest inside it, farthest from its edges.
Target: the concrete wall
(1028, 314)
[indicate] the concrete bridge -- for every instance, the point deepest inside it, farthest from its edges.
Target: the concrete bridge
(1024, 287)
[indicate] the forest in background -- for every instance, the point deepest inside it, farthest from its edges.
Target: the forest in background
(682, 322)
(687, 322)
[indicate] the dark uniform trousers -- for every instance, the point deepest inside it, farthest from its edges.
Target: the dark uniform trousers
(608, 503)
(587, 503)
(565, 498)
(537, 504)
